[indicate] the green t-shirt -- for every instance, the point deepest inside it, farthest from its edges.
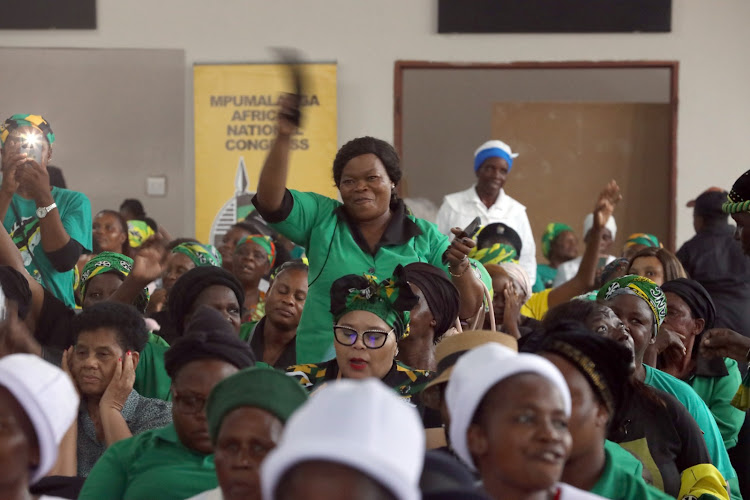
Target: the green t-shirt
(619, 481)
(22, 224)
(545, 276)
(717, 393)
(151, 379)
(333, 252)
(703, 417)
(153, 464)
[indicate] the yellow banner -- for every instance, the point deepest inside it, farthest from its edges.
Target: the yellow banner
(235, 124)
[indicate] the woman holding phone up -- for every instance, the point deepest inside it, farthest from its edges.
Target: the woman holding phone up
(370, 232)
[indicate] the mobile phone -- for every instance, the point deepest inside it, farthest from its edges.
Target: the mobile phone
(32, 147)
(470, 230)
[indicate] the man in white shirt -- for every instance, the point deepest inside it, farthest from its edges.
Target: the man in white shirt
(487, 200)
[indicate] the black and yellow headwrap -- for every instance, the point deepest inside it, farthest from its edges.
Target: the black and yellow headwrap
(21, 120)
(391, 300)
(111, 262)
(640, 287)
(738, 199)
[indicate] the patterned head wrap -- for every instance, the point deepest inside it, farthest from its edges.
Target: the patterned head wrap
(18, 121)
(641, 287)
(552, 231)
(201, 255)
(138, 232)
(111, 262)
(738, 199)
(645, 239)
(496, 254)
(265, 242)
(390, 300)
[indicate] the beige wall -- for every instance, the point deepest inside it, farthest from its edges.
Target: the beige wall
(710, 40)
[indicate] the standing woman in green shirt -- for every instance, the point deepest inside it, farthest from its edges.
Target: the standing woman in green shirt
(370, 232)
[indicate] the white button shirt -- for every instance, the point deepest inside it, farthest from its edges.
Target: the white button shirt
(459, 209)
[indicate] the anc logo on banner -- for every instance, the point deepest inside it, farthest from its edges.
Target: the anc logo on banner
(235, 125)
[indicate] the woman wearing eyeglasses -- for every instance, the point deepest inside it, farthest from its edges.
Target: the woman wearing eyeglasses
(175, 462)
(370, 318)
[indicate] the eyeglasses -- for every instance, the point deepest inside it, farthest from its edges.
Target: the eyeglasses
(372, 339)
(188, 404)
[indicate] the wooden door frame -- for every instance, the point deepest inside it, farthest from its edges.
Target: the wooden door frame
(672, 66)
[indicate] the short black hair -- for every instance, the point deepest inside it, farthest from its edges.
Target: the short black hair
(290, 265)
(125, 320)
(134, 206)
(368, 145)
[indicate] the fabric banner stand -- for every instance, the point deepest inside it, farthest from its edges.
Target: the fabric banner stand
(235, 113)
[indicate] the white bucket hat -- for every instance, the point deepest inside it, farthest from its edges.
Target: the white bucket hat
(49, 399)
(476, 372)
(383, 437)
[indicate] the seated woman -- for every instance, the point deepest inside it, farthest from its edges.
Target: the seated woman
(509, 421)
(512, 288)
(246, 415)
(559, 245)
(637, 242)
(691, 312)
(38, 404)
(211, 286)
(378, 457)
(109, 338)
(641, 306)
(182, 258)
(253, 259)
(431, 318)
(369, 231)
(597, 370)
(657, 264)
(109, 234)
(272, 339)
(174, 462)
(370, 318)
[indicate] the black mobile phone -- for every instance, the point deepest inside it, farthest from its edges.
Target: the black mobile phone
(470, 230)
(293, 60)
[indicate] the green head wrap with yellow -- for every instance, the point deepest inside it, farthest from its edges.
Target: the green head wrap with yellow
(641, 287)
(552, 231)
(138, 232)
(391, 300)
(201, 255)
(21, 120)
(645, 239)
(111, 262)
(496, 254)
(257, 387)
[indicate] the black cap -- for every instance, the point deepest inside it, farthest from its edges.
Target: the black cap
(709, 203)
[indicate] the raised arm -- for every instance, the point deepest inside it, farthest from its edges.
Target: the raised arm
(585, 278)
(10, 256)
(273, 176)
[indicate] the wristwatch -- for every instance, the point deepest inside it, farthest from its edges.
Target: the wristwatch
(42, 212)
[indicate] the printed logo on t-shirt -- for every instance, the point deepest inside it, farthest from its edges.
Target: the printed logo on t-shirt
(27, 236)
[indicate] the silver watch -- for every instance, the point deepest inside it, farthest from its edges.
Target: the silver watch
(42, 212)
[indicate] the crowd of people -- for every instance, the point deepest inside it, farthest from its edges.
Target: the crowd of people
(346, 349)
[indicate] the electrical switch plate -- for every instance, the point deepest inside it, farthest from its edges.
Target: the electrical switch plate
(156, 186)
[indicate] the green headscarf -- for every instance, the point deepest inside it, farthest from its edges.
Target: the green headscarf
(201, 255)
(258, 387)
(552, 231)
(138, 232)
(496, 254)
(265, 242)
(391, 300)
(645, 239)
(640, 287)
(21, 120)
(111, 262)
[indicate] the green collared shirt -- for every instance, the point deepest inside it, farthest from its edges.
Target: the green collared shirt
(151, 379)
(618, 482)
(154, 464)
